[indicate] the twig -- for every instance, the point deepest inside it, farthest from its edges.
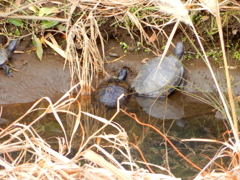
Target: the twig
(11, 16)
(19, 9)
(164, 136)
(33, 17)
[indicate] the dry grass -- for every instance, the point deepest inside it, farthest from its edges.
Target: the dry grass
(231, 144)
(24, 153)
(231, 148)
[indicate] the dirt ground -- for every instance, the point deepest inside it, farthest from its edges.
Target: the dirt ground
(196, 74)
(35, 79)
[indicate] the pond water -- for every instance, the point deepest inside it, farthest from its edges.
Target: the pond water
(178, 117)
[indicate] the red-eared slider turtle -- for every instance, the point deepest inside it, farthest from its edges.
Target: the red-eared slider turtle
(109, 91)
(154, 81)
(5, 54)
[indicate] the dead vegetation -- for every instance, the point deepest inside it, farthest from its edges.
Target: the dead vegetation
(24, 153)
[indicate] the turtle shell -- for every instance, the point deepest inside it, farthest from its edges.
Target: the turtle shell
(156, 80)
(7, 53)
(109, 91)
(3, 56)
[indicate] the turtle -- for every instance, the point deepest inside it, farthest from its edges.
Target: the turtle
(109, 91)
(154, 80)
(5, 54)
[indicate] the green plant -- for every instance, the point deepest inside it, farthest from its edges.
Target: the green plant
(32, 18)
(139, 46)
(147, 50)
(198, 55)
(215, 53)
(124, 46)
(236, 55)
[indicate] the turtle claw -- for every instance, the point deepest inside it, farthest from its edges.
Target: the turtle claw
(7, 70)
(9, 74)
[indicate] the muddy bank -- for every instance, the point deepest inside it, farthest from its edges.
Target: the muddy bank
(34, 78)
(196, 74)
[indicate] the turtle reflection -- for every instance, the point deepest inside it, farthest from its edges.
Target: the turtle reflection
(162, 108)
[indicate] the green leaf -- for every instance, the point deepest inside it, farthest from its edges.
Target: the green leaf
(16, 22)
(17, 32)
(38, 44)
(61, 28)
(46, 11)
(48, 24)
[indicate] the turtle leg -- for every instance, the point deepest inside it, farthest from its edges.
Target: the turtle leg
(7, 70)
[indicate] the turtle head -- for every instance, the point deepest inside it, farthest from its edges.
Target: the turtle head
(179, 50)
(11, 47)
(123, 74)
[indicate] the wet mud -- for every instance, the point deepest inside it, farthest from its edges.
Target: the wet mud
(197, 75)
(33, 79)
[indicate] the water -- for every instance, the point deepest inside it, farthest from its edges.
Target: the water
(178, 117)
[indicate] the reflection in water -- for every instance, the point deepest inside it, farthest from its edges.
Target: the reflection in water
(88, 125)
(154, 147)
(199, 122)
(2, 120)
(163, 108)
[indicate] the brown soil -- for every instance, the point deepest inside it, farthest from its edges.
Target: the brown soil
(197, 74)
(35, 79)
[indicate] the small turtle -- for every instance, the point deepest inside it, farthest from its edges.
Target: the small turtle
(154, 81)
(5, 54)
(109, 91)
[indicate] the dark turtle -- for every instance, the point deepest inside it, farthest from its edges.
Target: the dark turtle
(109, 91)
(154, 81)
(5, 54)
